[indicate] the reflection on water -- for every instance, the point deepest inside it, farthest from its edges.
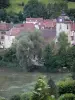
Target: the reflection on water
(17, 82)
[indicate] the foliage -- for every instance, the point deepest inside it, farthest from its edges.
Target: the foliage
(63, 46)
(53, 88)
(4, 3)
(54, 10)
(67, 86)
(26, 96)
(41, 91)
(2, 98)
(3, 15)
(71, 57)
(67, 96)
(71, 13)
(63, 42)
(48, 57)
(15, 97)
(34, 9)
(29, 49)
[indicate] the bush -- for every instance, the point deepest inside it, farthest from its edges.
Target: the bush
(68, 96)
(25, 96)
(67, 86)
(15, 97)
(2, 98)
(53, 88)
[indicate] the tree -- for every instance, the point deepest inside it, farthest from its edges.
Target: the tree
(71, 14)
(41, 90)
(29, 49)
(34, 8)
(71, 60)
(15, 97)
(54, 10)
(53, 88)
(48, 57)
(63, 46)
(3, 15)
(21, 16)
(4, 3)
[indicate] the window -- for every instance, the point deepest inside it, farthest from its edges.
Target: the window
(72, 38)
(2, 37)
(60, 27)
(67, 26)
(3, 32)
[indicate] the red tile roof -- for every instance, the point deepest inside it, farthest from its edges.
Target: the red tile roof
(49, 23)
(27, 27)
(14, 31)
(5, 26)
(34, 19)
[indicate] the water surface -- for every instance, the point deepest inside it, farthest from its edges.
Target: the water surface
(12, 82)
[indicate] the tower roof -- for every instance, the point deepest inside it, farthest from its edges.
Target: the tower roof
(63, 18)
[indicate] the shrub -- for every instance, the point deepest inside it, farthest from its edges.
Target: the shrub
(67, 86)
(2, 98)
(15, 97)
(68, 96)
(25, 96)
(53, 88)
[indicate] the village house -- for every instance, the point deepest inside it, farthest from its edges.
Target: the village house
(50, 29)
(4, 28)
(64, 24)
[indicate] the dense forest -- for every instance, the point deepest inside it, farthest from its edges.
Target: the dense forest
(4, 3)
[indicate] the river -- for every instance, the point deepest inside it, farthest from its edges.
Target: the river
(12, 82)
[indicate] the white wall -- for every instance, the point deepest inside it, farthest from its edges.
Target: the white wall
(8, 41)
(63, 27)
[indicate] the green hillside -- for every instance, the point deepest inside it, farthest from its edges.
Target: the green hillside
(71, 5)
(16, 7)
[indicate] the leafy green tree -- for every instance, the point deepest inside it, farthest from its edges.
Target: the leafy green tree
(29, 49)
(53, 88)
(41, 91)
(63, 46)
(48, 57)
(26, 96)
(15, 97)
(34, 8)
(3, 15)
(21, 16)
(54, 10)
(71, 14)
(4, 3)
(71, 60)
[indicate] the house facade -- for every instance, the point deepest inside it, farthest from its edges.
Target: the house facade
(64, 24)
(4, 28)
(50, 29)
